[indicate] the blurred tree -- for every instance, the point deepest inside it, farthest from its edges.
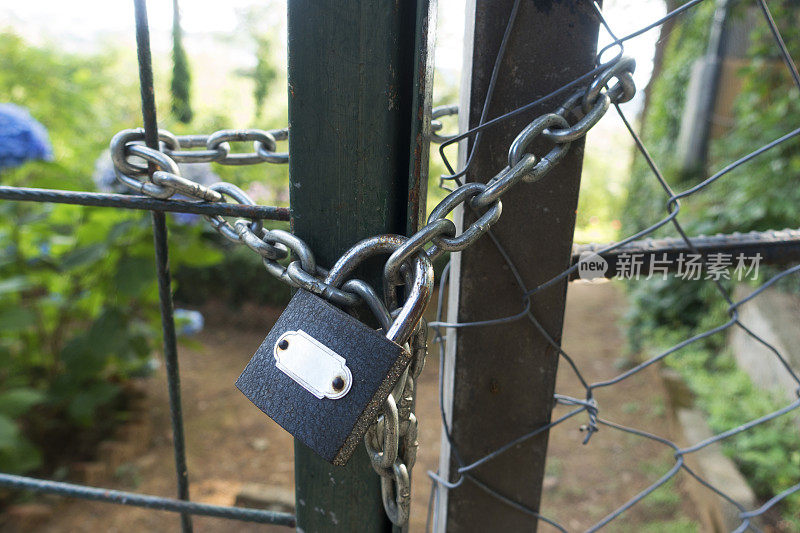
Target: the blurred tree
(760, 195)
(256, 25)
(81, 100)
(181, 77)
(263, 74)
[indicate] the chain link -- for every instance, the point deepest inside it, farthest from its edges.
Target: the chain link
(583, 125)
(262, 140)
(391, 441)
(462, 195)
(623, 91)
(198, 156)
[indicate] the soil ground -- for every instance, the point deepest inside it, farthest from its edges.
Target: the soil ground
(229, 442)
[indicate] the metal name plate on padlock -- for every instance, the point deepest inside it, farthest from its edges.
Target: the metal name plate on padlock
(323, 376)
(317, 368)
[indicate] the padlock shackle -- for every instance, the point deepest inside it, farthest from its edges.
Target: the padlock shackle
(371, 298)
(360, 252)
(419, 294)
(419, 290)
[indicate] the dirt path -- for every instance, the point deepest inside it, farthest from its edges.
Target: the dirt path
(229, 442)
(588, 482)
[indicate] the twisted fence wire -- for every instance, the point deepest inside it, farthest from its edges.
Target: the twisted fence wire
(589, 404)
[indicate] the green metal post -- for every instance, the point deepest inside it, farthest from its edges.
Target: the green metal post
(359, 89)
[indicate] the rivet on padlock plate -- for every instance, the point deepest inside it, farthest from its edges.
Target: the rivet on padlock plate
(293, 376)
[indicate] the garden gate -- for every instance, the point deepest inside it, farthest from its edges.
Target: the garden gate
(359, 77)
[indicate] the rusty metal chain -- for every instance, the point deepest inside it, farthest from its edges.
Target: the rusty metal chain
(392, 440)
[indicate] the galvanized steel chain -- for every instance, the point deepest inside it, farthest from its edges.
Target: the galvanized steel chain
(392, 440)
(571, 121)
(272, 245)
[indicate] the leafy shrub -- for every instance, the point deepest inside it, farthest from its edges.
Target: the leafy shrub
(75, 317)
(78, 313)
(239, 276)
(663, 313)
(78, 316)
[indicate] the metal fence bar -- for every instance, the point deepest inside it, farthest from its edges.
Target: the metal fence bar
(777, 247)
(774, 247)
(144, 500)
(125, 201)
(162, 263)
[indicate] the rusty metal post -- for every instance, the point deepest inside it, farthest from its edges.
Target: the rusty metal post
(499, 381)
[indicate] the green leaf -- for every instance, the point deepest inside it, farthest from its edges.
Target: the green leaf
(15, 284)
(83, 256)
(33, 216)
(16, 402)
(17, 454)
(108, 334)
(9, 432)
(197, 254)
(16, 319)
(120, 229)
(82, 361)
(84, 404)
(134, 275)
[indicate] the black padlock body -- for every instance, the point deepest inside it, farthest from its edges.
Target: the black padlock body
(332, 428)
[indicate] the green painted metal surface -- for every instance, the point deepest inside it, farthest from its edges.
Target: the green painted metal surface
(357, 111)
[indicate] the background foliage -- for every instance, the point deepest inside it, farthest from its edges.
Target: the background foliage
(66, 352)
(78, 315)
(181, 86)
(761, 195)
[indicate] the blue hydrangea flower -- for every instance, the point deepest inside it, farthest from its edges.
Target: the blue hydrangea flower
(188, 322)
(22, 138)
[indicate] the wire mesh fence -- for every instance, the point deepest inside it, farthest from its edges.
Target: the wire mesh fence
(587, 406)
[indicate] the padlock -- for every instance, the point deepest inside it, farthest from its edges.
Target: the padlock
(322, 374)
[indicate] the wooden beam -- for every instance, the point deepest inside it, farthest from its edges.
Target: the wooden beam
(499, 380)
